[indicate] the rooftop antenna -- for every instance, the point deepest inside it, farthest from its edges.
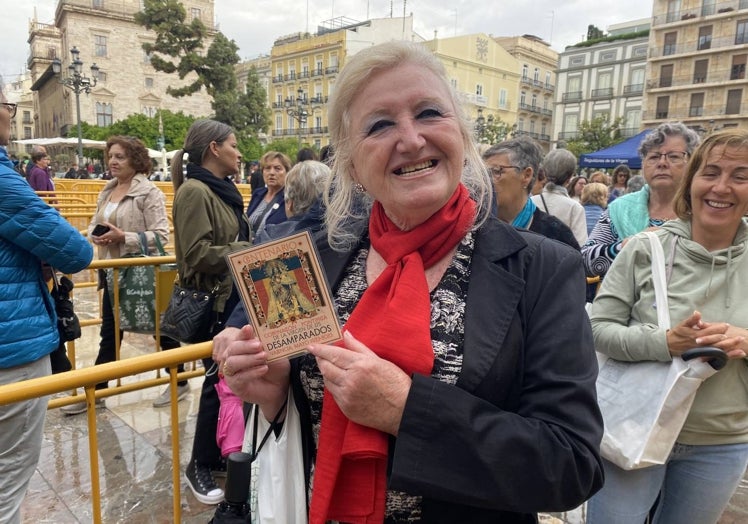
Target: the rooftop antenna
(391, 8)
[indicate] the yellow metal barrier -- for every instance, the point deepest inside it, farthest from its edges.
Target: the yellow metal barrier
(89, 377)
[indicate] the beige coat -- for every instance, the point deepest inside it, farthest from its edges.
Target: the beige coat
(143, 209)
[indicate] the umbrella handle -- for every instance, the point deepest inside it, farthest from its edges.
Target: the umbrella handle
(716, 357)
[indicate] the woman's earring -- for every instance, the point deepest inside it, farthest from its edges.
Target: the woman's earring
(359, 189)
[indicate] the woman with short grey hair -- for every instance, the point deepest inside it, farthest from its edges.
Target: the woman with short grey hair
(664, 153)
(305, 183)
(559, 166)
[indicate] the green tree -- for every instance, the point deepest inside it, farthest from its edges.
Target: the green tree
(593, 33)
(596, 134)
(494, 131)
(175, 39)
(146, 129)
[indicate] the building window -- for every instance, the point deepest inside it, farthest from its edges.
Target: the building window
(103, 114)
(27, 132)
(319, 66)
(521, 124)
(707, 7)
(640, 51)
(100, 45)
(608, 56)
(146, 57)
(149, 111)
(705, 38)
(576, 60)
(697, 105)
(278, 122)
(98, 4)
(522, 99)
(670, 41)
(737, 71)
(574, 84)
(194, 13)
(534, 100)
(453, 83)
(334, 61)
(525, 70)
(663, 104)
(548, 79)
(502, 98)
(673, 10)
(536, 75)
(148, 82)
(633, 119)
(666, 75)
(479, 90)
(571, 123)
(700, 68)
(741, 34)
(604, 80)
(733, 101)
(637, 76)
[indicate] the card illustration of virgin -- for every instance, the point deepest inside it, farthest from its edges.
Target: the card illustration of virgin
(285, 291)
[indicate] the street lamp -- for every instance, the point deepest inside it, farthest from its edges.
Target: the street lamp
(78, 84)
(482, 125)
(298, 112)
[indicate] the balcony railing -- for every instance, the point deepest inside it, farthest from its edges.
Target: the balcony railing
(702, 113)
(633, 89)
(572, 96)
(568, 135)
(719, 8)
(331, 70)
(712, 76)
(693, 46)
(605, 92)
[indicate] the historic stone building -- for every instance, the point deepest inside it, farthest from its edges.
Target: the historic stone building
(537, 85)
(484, 74)
(603, 79)
(697, 58)
(104, 33)
(304, 68)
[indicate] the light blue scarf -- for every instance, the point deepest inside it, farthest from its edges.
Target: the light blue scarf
(523, 219)
(629, 214)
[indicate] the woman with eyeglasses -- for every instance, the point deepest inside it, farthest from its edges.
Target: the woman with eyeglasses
(514, 165)
(664, 153)
(621, 175)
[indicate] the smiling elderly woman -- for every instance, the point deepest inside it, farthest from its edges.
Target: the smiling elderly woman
(707, 264)
(459, 411)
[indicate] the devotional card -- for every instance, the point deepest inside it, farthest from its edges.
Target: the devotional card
(286, 295)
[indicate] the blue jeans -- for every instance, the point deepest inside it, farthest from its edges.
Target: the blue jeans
(695, 485)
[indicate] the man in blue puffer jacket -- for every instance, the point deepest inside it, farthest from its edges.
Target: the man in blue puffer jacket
(30, 232)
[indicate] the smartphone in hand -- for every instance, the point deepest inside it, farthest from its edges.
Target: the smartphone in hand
(99, 230)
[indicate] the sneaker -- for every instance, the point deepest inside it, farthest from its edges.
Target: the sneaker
(164, 399)
(80, 407)
(219, 469)
(200, 480)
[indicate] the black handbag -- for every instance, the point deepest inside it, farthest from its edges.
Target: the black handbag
(189, 316)
(68, 325)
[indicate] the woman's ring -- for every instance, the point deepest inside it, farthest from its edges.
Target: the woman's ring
(227, 371)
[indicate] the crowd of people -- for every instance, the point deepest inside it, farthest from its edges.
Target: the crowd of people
(463, 389)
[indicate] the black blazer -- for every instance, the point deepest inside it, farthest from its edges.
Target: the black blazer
(520, 431)
(277, 213)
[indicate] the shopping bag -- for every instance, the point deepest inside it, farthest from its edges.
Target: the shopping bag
(645, 404)
(277, 490)
(137, 291)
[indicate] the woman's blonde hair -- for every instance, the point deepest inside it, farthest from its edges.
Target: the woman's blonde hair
(734, 138)
(345, 206)
(595, 193)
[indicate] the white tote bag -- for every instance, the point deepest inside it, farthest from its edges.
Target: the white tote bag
(277, 490)
(645, 404)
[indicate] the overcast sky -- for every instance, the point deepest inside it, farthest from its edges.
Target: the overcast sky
(255, 24)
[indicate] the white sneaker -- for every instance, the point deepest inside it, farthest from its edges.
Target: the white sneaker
(164, 399)
(80, 407)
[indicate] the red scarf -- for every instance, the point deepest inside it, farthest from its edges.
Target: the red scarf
(393, 319)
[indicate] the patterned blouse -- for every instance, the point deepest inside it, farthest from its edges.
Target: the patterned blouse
(604, 244)
(447, 336)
